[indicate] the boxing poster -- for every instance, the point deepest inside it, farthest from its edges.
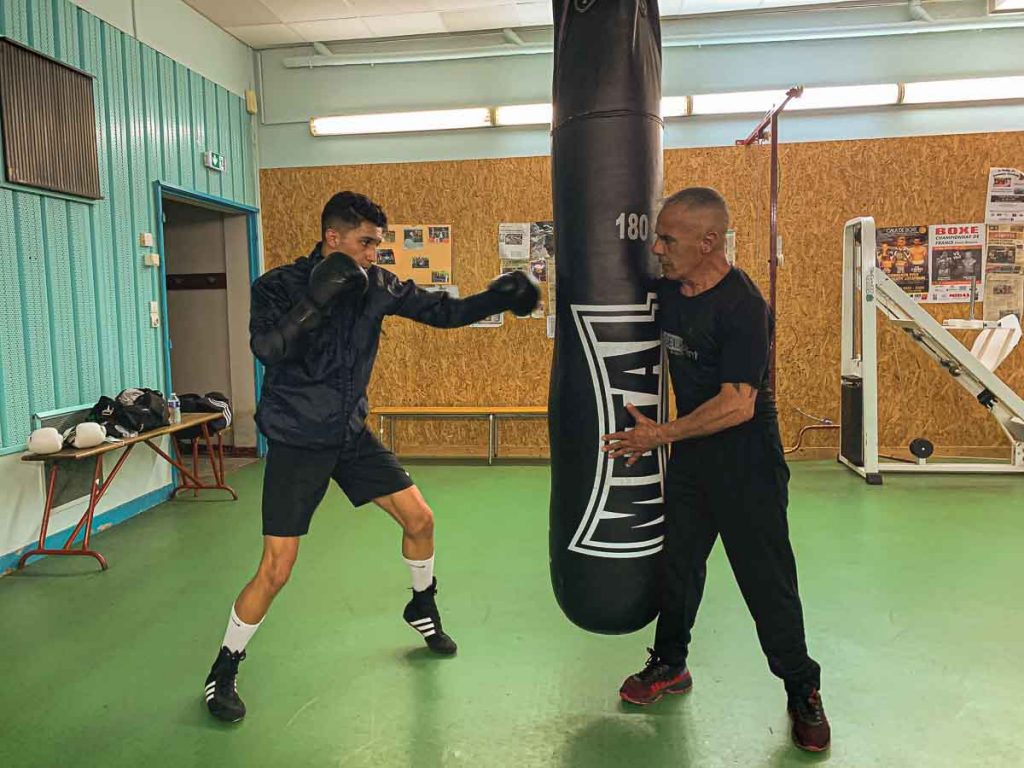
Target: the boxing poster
(902, 253)
(956, 255)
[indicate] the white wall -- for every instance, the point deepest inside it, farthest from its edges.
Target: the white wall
(24, 492)
(291, 96)
(181, 33)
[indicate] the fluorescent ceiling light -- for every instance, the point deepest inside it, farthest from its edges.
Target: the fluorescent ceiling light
(738, 103)
(1006, 6)
(540, 114)
(523, 114)
(846, 96)
(974, 89)
(759, 102)
(675, 106)
(399, 122)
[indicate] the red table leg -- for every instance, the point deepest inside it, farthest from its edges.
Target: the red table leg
(95, 494)
(191, 480)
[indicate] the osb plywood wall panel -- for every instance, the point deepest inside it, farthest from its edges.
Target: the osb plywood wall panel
(418, 365)
(898, 181)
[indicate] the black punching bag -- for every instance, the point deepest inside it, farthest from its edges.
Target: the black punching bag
(607, 524)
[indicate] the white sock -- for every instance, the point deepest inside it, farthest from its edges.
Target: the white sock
(239, 633)
(422, 572)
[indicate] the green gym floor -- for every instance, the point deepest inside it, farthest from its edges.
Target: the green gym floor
(911, 596)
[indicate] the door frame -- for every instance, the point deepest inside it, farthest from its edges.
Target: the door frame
(163, 191)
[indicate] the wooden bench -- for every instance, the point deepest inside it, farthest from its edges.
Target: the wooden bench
(387, 415)
(189, 480)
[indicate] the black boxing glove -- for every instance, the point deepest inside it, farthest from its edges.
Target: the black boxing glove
(284, 340)
(519, 291)
(336, 275)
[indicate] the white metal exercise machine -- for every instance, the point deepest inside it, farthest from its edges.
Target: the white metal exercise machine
(866, 288)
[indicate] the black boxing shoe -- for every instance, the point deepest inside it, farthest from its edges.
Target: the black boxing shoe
(422, 615)
(221, 692)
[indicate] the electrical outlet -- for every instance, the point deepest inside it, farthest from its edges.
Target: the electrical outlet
(151, 259)
(154, 320)
(146, 240)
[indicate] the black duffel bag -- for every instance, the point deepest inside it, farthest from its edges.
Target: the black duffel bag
(211, 402)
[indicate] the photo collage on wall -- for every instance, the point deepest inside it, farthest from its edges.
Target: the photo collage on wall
(418, 252)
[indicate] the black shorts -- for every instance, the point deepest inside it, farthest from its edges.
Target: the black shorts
(295, 480)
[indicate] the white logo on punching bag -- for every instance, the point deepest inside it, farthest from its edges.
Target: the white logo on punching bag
(622, 344)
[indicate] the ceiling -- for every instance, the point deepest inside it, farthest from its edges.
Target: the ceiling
(266, 23)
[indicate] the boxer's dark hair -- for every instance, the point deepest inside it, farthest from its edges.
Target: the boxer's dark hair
(347, 210)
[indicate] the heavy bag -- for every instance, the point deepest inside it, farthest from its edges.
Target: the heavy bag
(606, 520)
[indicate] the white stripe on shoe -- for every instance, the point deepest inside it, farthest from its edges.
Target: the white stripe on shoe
(426, 620)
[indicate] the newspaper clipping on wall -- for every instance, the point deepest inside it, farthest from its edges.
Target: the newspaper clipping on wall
(1005, 201)
(513, 242)
(902, 253)
(1004, 271)
(956, 255)
(530, 247)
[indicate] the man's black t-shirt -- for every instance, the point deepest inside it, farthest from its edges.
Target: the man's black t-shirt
(718, 337)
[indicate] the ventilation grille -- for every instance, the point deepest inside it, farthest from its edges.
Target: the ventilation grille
(49, 123)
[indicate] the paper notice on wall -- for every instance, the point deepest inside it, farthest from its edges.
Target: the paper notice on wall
(1005, 249)
(1005, 201)
(491, 321)
(902, 253)
(956, 254)
(1004, 295)
(514, 242)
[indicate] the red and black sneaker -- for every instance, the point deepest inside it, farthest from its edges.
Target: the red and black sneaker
(811, 731)
(655, 680)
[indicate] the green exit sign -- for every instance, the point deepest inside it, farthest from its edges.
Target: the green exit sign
(215, 162)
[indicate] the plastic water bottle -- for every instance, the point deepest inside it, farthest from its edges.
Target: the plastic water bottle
(174, 409)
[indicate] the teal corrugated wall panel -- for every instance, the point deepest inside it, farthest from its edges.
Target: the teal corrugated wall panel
(136, 292)
(212, 136)
(41, 31)
(145, 212)
(169, 121)
(74, 291)
(59, 299)
(248, 157)
(16, 19)
(224, 141)
(233, 124)
(100, 225)
(183, 105)
(237, 165)
(197, 91)
(28, 217)
(84, 301)
(123, 297)
(14, 415)
(66, 23)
